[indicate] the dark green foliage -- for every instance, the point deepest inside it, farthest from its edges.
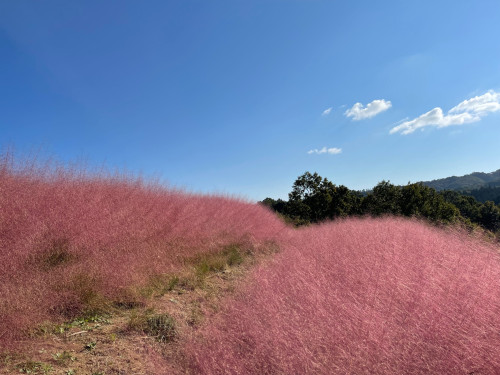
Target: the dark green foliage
(490, 216)
(422, 201)
(298, 211)
(486, 193)
(384, 199)
(468, 206)
(410, 200)
(315, 199)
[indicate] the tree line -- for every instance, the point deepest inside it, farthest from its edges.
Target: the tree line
(314, 199)
(485, 193)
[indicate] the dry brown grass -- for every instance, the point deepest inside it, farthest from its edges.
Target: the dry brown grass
(131, 339)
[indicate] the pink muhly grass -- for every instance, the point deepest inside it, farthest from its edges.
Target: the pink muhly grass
(64, 234)
(363, 296)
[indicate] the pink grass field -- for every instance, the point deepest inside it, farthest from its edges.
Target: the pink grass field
(363, 296)
(110, 232)
(356, 296)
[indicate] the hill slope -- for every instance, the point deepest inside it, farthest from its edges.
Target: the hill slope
(468, 182)
(371, 296)
(111, 275)
(73, 244)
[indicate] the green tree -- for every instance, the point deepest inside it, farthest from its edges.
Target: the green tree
(384, 199)
(468, 206)
(324, 199)
(490, 216)
(314, 192)
(344, 202)
(420, 200)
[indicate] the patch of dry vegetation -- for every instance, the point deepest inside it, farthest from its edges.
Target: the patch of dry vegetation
(147, 338)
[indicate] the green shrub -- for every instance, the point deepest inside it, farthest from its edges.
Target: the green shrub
(161, 326)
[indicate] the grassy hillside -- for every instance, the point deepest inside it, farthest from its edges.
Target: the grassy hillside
(374, 296)
(73, 244)
(110, 275)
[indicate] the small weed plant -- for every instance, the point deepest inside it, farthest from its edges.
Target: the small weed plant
(160, 326)
(34, 367)
(63, 358)
(90, 346)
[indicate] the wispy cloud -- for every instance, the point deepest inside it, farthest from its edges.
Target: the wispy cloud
(360, 112)
(327, 111)
(326, 150)
(470, 110)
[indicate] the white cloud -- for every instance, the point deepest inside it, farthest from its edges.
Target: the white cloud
(360, 112)
(479, 105)
(468, 111)
(325, 150)
(327, 111)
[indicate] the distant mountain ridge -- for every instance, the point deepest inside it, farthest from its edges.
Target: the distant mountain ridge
(468, 182)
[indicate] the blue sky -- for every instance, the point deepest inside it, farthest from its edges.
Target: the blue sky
(241, 97)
